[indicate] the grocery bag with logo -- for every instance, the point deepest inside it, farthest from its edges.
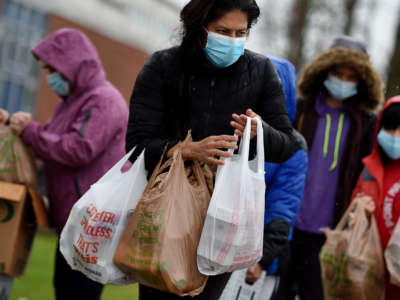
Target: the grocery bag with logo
(351, 259)
(16, 161)
(232, 237)
(158, 247)
(96, 222)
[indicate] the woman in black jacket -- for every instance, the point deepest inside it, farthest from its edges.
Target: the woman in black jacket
(208, 84)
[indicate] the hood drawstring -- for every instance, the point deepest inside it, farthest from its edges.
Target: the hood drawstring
(337, 139)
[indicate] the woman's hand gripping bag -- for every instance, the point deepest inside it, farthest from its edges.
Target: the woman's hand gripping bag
(232, 237)
(158, 247)
(96, 222)
(351, 259)
(392, 255)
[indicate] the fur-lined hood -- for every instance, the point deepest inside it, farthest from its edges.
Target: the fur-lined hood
(311, 80)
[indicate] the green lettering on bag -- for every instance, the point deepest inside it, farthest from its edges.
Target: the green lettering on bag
(163, 267)
(336, 274)
(8, 158)
(180, 284)
(148, 228)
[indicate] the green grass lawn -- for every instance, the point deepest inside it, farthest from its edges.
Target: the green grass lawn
(37, 283)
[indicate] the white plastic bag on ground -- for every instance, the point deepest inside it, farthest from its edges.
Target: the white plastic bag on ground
(96, 222)
(232, 236)
(238, 289)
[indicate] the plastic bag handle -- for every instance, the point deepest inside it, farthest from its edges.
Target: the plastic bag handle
(244, 147)
(162, 166)
(260, 146)
(344, 220)
(354, 205)
(117, 167)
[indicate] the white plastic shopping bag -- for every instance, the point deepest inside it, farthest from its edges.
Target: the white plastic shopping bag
(238, 289)
(96, 222)
(232, 236)
(392, 255)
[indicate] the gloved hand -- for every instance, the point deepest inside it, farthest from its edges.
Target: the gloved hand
(276, 237)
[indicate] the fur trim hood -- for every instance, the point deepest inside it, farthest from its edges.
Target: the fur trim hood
(370, 95)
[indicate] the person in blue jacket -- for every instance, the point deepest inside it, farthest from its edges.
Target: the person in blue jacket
(285, 185)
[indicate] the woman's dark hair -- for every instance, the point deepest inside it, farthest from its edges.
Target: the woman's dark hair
(197, 14)
(390, 120)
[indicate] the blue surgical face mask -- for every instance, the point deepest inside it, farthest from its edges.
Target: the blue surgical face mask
(389, 144)
(223, 51)
(58, 84)
(340, 89)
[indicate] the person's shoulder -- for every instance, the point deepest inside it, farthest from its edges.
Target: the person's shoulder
(281, 63)
(165, 55)
(299, 140)
(370, 116)
(259, 64)
(369, 119)
(256, 57)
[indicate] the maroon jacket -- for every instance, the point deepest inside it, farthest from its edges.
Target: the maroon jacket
(86, 134)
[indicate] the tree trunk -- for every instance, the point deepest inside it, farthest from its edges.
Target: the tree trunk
(297, 29)
(393, 82)
(349, 9)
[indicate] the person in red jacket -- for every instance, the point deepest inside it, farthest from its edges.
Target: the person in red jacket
(379, 182)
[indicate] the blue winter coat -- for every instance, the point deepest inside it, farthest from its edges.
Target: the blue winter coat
(285, 182)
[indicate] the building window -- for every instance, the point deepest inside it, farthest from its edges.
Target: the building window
(22, 29)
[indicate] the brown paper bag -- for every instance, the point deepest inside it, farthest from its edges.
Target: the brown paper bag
(351, 259)
(159, 245)
(16, 161)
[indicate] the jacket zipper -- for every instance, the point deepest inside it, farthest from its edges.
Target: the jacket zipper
(77, 187)
(210, 105)
(85, 123)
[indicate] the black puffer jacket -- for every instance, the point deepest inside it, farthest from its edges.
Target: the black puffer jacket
(170, 97)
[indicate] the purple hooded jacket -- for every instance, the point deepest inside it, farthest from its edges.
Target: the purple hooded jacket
(86, 135)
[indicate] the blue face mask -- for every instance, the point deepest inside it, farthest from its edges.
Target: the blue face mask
(389, 144)
(58, 84)
(340, 89)
(223, 51)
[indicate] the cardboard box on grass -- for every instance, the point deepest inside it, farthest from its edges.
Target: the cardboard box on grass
(21, 212)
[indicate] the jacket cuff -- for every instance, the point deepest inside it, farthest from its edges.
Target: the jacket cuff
(154, 151)
(276, 237)
(28, 134)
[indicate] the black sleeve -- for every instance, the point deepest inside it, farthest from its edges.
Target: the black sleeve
(276, 238)
(280, 142)
(148, 114)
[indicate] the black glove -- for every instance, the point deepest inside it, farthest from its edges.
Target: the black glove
(276, 238)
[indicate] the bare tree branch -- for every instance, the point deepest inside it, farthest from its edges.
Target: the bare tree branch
(297, 29)
(393, 82)
(349, 12)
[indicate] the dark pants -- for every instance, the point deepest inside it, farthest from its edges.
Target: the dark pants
(305, 275)
(213, 290)
(283, 290)
(70, 284)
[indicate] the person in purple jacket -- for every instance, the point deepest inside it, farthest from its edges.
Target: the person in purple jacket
(339, 91)
(83, 139)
